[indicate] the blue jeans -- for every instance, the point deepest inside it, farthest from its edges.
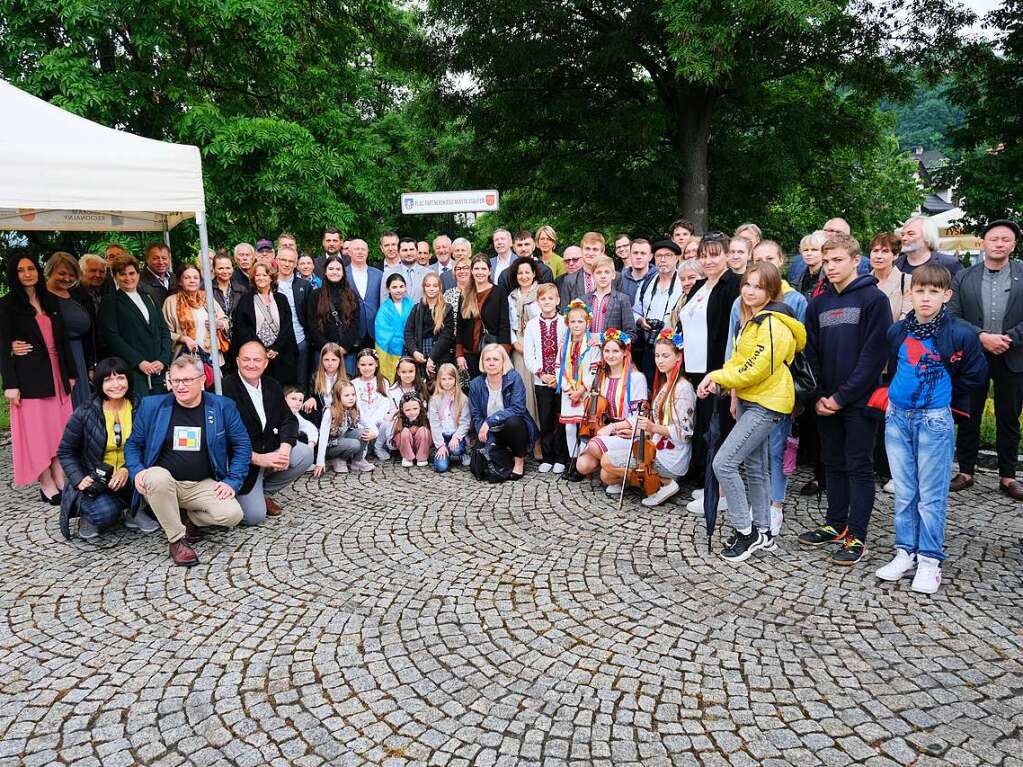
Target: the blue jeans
(747, 445)
(442, 464)
(920, 446)
(779, 482)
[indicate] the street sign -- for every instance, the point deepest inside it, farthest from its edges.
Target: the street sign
(417, 203)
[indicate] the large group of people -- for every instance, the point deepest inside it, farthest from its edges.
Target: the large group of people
(708, 357)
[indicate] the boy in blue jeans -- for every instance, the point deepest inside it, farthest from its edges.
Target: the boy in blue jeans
(938, 361)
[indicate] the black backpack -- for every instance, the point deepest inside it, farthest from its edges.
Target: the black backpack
(491, 463)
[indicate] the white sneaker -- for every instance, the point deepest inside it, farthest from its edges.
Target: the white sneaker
(407, 464)
(422, 463)
(903, 564)
(362, 464)
(613, 489)
(776, 519)
(696, 507)
(544, 467)
(889, 487)
(465, 460)
(928, 575)
(662, 495)
(698, 494)
(558, 468)
(339, 465)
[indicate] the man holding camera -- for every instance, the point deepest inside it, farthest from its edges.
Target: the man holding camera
(188, 455)
(655, 301)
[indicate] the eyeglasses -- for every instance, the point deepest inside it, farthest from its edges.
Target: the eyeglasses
(572, 260)
(175, 382)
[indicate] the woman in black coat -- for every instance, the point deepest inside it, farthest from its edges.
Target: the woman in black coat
(140, 338)
(265, 315)
(482, 317)
(430, 329)
(38, 375)
(332, 314)
(94, 438)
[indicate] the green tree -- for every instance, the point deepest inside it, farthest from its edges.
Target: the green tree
(297, 105)
(988, 86)
(615, 110)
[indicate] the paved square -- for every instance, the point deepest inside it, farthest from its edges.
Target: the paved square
(406, 617)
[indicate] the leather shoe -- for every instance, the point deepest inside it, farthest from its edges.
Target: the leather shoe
(183, 554)
(1013, 489)
(810, 488)
(272, 509)
(960, 482)
(192, 532)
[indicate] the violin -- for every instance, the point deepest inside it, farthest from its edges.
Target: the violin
(595, 412)
(643, 475)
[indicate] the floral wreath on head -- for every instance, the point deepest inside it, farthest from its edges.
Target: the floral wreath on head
(671, 336)
(577, 304)
(614, 334)
(669, 381)
(367, 352)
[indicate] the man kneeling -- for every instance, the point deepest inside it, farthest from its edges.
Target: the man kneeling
(188, 455)
(277, 460)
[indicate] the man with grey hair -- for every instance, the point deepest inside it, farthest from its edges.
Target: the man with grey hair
(93, 270)
(832, 227)
(244, 257)
(920, 243)
(187, 456)
(503, 253)
(442, 249)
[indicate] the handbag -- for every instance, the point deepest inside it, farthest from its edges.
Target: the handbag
(491, 463)
(804, 382)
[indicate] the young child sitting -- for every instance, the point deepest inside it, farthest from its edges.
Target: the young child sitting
(412, 431)
(449, 419)
(348, 437)
(307, 431)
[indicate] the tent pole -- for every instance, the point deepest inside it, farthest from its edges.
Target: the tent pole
(211, 302)
(166, 233)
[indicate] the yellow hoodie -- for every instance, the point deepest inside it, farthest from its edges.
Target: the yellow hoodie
(758, 368)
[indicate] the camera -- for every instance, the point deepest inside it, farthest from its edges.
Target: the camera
(655, 325)
(100, 477)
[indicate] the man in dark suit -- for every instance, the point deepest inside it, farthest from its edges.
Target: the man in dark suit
(366, 281)
(525, 247)
(297, 290)
(278, 458)
(331, 247)
(989, 296)
(156, 280)
(244, 257)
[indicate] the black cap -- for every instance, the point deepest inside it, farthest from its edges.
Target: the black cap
(666, 245)
(1001, 222)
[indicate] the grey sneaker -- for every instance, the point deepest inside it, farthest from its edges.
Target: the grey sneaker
(129, 520)
(86, 530)
(146, 522)
(361, 464)
(381, 453)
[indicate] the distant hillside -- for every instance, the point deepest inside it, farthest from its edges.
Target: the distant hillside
(925, 120)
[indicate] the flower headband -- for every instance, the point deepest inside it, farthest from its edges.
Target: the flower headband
(672, 337)
(577, 304)
(367, 352)
(614, 334)
(409, 396)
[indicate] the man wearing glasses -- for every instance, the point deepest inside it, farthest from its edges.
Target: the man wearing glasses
(832, 227)
(188, 455)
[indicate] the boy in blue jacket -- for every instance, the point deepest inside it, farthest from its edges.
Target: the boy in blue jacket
(938, 362)
(845, 345)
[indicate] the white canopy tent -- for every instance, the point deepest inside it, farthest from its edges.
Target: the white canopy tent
(63, 172)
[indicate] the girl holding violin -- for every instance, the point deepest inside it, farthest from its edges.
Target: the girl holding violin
(666, 429)
(622, 386)
(575, 373)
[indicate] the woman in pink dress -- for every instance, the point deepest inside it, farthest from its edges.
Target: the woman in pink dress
(37, 369)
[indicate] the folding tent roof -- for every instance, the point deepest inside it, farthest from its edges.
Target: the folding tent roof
(63, 172)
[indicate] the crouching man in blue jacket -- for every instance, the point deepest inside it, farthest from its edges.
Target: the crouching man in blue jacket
(188, 456)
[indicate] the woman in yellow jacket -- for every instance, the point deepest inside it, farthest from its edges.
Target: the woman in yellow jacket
(758, 373)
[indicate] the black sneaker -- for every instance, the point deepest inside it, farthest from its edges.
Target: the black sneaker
(769, 542)
(810, 488)
(822, 535)
(739, 547)
(851, 552)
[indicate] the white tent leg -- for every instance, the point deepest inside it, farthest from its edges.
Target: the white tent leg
(211, 302)
(166, 234)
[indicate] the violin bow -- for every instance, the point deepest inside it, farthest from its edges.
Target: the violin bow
(628, 461)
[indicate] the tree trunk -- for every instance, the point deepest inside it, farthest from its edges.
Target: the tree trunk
(693, 139)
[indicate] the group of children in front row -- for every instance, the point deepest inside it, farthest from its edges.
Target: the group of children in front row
(932, 361)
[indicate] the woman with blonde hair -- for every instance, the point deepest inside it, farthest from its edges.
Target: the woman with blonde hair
(546, 240)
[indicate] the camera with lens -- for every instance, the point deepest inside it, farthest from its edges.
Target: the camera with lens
(655, 325)
(100, 478)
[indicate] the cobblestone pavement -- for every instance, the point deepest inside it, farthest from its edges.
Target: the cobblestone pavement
(529, 623)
